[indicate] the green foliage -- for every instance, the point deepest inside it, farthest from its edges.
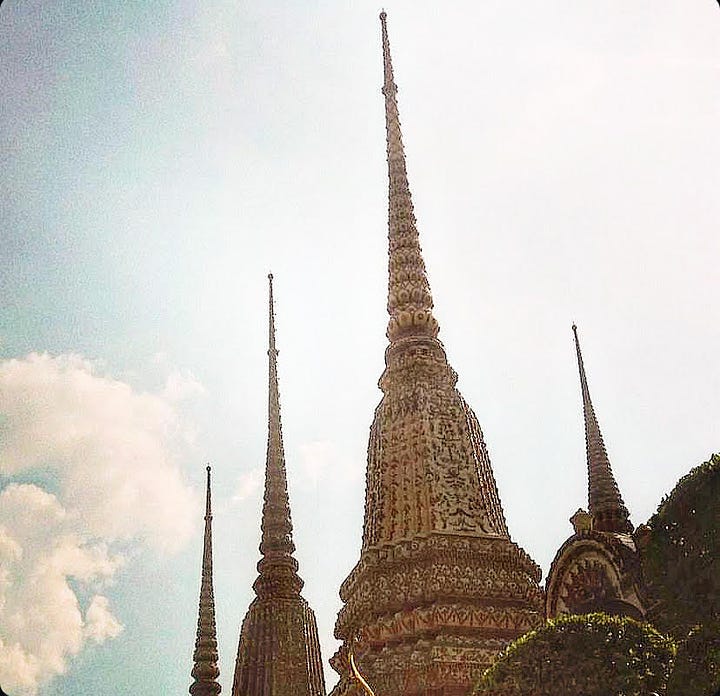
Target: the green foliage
(681, 558)
(592, 655)
(697, 665)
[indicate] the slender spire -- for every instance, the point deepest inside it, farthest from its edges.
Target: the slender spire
(205, 669)
(607, 508)
(410, 301)
(279, 651)
(438, 574)
(277, 568)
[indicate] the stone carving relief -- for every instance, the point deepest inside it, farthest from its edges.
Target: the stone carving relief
(587, 587)
(595, 571)
(428, 467)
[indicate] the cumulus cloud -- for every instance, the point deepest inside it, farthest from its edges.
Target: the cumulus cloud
(180, 386)
(106, 454)
(43, 622)
(100, 624)
(110, 446)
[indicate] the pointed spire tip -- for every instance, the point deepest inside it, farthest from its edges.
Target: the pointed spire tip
(409, 301)
(605, 504)
(205, 669)
(277, 568)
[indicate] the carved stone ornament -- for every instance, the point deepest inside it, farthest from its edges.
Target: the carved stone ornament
(595, 571)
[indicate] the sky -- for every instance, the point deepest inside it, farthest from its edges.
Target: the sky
(158, 159)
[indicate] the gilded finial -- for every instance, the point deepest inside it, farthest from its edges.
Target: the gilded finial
(356, 672)
(208, 507)
(271, 322)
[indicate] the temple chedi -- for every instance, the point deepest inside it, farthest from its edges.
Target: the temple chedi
(279, 651)
(598, 567)
(205, 670)
(440, 588)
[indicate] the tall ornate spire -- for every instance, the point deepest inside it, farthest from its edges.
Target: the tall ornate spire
(205, 669)
(440, 587)
(598, 567)
(607, 508)
(410, 301)
(446, 483)
(279, 649)
(277, 568)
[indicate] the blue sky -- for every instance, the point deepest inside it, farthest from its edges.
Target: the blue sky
(158, 159)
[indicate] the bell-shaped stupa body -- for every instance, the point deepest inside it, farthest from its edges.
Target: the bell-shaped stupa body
(279, 650)
(440, 588)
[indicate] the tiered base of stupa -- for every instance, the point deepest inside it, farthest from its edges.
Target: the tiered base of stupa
(279, 651)
(426, 617)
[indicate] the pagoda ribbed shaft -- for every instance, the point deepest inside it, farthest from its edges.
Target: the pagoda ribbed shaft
(410, 301)
(440, 588)
(205, 669)
(277, 568)
(605, 503)
(279, 649)
(416, 482)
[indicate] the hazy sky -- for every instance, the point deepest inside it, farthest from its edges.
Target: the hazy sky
(158, 158)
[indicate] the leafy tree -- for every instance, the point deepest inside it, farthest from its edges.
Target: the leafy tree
(697, 665)
(591, 655)
(681, 553)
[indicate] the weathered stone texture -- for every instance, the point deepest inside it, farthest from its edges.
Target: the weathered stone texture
(279, 652)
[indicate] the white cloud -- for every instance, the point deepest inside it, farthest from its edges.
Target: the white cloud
(43, 623)
(249, 483)
(108, 453)
(180, 386)
(110, 446)
(100, 624)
